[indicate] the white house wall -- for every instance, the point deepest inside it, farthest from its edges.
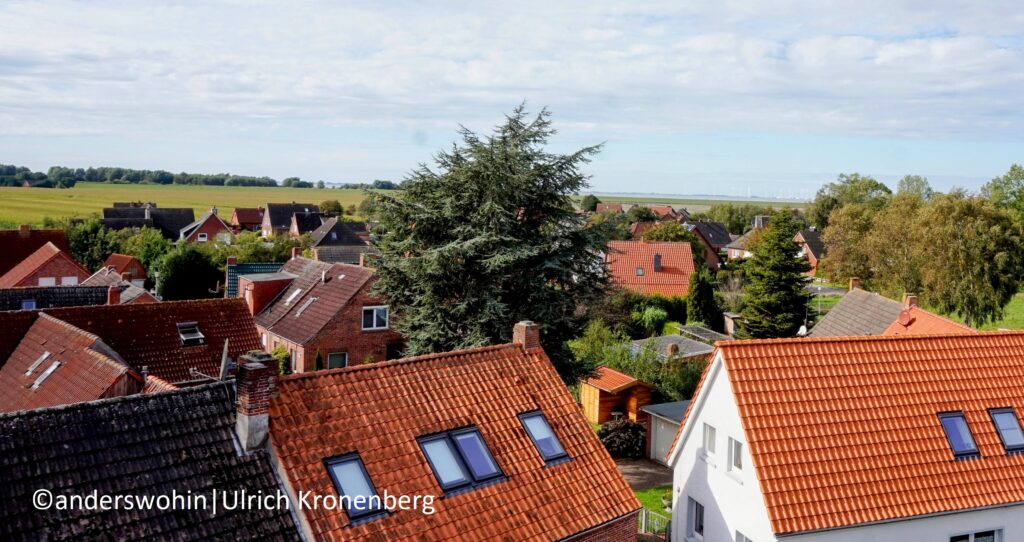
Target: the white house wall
(732, 501)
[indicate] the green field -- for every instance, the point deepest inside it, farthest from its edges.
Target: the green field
(1012, 319)
(31, 205)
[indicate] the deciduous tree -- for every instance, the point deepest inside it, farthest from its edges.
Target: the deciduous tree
(852, 188)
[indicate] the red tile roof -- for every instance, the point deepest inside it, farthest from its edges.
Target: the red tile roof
(608, 207)
(380, 409)
(612, 381)
(243, 215)
(87, 370)
(122, 263)
(301, 318)
(662, 211)
(147, 334)
(624, 257)
(917, 321)
(637, 230)
(155, 384)
(844, 430)
(33, 262)
(16, 245)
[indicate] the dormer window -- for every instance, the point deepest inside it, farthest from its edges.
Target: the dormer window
(958, 433)
(190, 335)
(354, 486)
(1008, 427)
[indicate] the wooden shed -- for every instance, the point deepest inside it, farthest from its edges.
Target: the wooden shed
(613, 392)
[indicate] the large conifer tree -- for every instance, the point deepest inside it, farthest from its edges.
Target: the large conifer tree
(487, 238)
(775, 301)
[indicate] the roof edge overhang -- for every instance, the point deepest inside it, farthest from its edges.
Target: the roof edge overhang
(901, 519)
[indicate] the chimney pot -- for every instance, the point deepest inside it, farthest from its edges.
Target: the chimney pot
(909, 300)
(24, 230)
(527, 334)
(232, 260)
(113, 295)
(657, 263)
(295, 252)
(255, 384)
(854, 283)
(213, 211)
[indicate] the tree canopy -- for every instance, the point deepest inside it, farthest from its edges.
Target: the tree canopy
(775, 302)
(852, 188)
(1007, 191)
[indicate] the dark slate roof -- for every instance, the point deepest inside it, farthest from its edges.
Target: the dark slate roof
(247, 268)
(138, 445)
(53, 296)
(343, 254)
(169, 221)
(812, 239)
(281, 213)
(672, 411)
(687, 347)
(308, 222)
(858, 313)
(16, 245)
(338, 232)
(702, 334)
(714, 232)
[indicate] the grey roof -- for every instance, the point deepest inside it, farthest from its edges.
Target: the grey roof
(703, 334)
(246, 268)
(308, 222)
(812, 238)
(687, 347)
(672, 411)
(281, 213)
(858, 313)
(154, 444)
(259, 277)
(740, 243)
(108, 276)
(714, 232)
(53, 296)
(169, 221)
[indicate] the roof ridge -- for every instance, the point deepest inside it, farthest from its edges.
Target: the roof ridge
(113, 400)
(740, 343)
(400, 361)
(67, 325)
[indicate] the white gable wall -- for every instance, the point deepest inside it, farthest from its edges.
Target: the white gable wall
(732, 500)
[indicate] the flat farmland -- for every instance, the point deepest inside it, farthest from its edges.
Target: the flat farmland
(697, 204)
(32, 205)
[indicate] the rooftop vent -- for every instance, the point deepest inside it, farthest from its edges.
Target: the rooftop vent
(190, 335)
(46, 374)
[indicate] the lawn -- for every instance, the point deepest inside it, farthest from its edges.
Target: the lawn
(821, 304)
(651, 499)
(31, 205)
(1012, 319)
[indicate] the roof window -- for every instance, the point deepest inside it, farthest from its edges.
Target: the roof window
(190, 335)
(305, 306)
(295, 293)
(959, 435)
(354, 486)
(1008, 427)
(543, 437)
(460, 459)
(46, 374)
(35, 364)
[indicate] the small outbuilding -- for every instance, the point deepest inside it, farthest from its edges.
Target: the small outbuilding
(611, 394)
(664, 424)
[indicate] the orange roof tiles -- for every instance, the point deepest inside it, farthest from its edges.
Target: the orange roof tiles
(844, 431)
(612, 381)
(624, 257)
(662, 211)
(16, 245)
(608, 207)
(917, 321)
(34, 261)
(379, 410)
(120, 262)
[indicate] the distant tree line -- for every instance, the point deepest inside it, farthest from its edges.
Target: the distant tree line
(375, 185)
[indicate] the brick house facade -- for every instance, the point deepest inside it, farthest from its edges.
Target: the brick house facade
(620, 530)
(48, 266)
(207, 229)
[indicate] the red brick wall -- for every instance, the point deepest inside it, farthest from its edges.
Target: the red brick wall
(619, 530)
(344, 333)
(258, 294)
(58, 267)
(212, 227)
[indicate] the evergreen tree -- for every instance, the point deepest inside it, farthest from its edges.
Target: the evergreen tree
(700, 303)
(490, 238)
(589, 202)
(188, 272)
(776, 301)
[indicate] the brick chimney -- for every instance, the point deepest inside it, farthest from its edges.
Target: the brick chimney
(909, 300)
(255, 384)
(657, 263)
(295, 252)
(113, 295)
(24, 230)
(854, 283)
(527, 334)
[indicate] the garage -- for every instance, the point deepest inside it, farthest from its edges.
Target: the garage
(665, 420)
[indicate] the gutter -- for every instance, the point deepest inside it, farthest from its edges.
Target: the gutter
(796, 534)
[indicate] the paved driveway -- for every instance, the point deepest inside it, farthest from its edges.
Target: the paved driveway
(643, 474)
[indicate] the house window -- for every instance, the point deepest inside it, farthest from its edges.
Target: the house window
(740, 537)
(735, 454)
(47, 281)
(28, 304)
(695, 519)
(68, 281)
(958, 434)
(983, 536)
(263, 340)
(543, 437)
(201, 238)
(460, 459)
(1008, 427)
(709, 439)
(190, 335)
(354, 486)
(337, 360)
(375, 317)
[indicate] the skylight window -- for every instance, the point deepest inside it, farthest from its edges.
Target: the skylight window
(295, 293)
(958, 434)
(46, 374)
(354, 486)
(190, 335)
(305, 306)
(1008, 427)
(28, 304)
(460, 459)
(543, 437)
(35, 364)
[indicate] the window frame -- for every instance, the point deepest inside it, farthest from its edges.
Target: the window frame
(740, 537)
(329, 354)
(201, 237)
(714, 439)
(957, 455)
(691, 518)
(735, 455)
(472, 481)
(46, 281)
(992, 412)
(555, 459)
(69, 280)
(997, 535)
(344, 458)
(374, 308)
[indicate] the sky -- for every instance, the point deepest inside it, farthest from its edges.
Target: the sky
(732, 97)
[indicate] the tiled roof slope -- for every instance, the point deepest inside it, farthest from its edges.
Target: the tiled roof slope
(87, 370)
(714, 232)
(380, 409)
(845, 431)
(248, 215)
(16, 245)
(608, 207)
(120, 262)
(13, 326)
(308, 222)
(917, 321)
(140, 445)
(108, 276)
(300, 319)
(611, 381)
(147, 334)
(33, 262)
(345, 233)
(53, 296)
(858, 313)
(812, 238)
(281, 213)
(624, 257)
(687, 347)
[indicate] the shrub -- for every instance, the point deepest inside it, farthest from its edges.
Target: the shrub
(623, 439)
(284, 361)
